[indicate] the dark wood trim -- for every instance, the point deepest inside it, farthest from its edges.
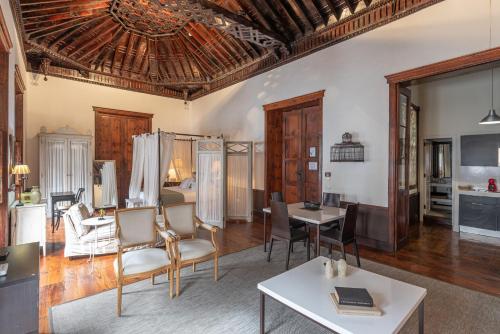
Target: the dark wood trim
(5, 46)
(446, 66)
(315, 98)
(398, 79)
(5, 41)
(124, 113)
(294, 101)
(20, 86)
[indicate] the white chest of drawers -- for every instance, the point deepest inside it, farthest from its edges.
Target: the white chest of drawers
(28, 225)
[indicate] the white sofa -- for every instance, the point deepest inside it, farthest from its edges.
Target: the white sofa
(80, 239)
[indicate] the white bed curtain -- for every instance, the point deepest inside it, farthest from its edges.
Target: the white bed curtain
(210, 192)
(182, 159)
(108, 181)
(237, 186)
(137, 175)
(151, 185)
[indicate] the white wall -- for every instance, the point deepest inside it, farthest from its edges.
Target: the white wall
(59, 102)
(356, 98)
(15, 58)
(453, 107)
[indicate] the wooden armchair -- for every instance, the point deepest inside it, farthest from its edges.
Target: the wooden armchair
(136, 232)
(182, 223)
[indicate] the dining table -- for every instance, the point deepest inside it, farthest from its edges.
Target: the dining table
(313, 217)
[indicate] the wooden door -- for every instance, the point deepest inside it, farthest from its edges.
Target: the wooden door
(302, 128)
(293, 160)
(113, 141)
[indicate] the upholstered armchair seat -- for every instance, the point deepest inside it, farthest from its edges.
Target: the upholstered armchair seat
(142, 260)
(195, 248)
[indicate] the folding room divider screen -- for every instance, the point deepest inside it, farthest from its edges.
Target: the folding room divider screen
(210, 181)
(239, 180)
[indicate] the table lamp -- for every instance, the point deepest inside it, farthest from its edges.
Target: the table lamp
(23, 171)
(172, 175)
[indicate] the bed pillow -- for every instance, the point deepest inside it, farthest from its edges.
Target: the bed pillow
(186, 183)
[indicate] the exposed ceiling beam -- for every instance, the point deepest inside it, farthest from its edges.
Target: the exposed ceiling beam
(350, 5)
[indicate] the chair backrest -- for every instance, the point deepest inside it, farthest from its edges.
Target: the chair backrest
(79, 193)
(180, 218)
(277, 196)
(331, 199)
(136, 226)
(279, 219)
(348, 231)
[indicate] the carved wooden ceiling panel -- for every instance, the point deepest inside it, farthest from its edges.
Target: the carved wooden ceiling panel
(187, 48)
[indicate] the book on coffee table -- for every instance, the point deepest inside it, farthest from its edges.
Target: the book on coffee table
(353, 296)
(354, 310)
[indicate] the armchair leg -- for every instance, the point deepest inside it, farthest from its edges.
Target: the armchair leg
(153, 279)
(216, 267)
(291, 246)
(308, 248)
(343, 251)
(171, 282)
(178, 281)
(194, 267)
(270, 250)
(119, 303)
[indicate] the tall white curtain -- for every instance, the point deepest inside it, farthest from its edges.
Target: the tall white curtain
(238, 186)
(182, 159)
(151, 184)
(79, 158)
(137, 175)
(108, 175)
(55, 169)
(209, 178)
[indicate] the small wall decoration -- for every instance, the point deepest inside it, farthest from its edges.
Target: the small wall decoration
(312, 152)
(347, 150)
(313, 165)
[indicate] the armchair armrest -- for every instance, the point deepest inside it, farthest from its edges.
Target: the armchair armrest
(205, 226)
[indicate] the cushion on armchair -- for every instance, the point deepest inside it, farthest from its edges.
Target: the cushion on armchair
(79, 212)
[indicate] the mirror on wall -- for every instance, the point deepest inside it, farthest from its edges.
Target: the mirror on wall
(104, 180)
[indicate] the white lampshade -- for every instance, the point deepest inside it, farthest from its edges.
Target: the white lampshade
(172, 175)
(20, 170)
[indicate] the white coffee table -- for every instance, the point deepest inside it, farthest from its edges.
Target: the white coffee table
(306, 290)
(96, 222)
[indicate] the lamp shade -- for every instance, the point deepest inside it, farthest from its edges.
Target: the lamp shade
(21, 170)
(172, 175)
(492, 118)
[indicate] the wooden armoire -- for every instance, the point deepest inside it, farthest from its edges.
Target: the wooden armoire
(113, 141)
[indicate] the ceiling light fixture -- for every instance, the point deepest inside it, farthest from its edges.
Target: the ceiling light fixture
(492, 117)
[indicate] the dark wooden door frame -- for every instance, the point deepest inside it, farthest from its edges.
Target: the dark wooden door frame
(399, 79)
(283, 106)
(5, 48)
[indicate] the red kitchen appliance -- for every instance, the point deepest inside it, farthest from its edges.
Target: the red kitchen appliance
(492, 185)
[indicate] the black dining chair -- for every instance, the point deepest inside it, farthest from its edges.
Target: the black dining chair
(344, 235)
(281, 230)
(294, 223)
(62, 209)
(331, 200)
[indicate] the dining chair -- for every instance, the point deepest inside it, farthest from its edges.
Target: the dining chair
(345, 234)
(331, 199)
(294, 223)
(280, 230)
(61, 208)
(137, 257)
(189, 249)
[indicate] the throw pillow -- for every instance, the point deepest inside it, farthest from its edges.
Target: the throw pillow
(79, 212)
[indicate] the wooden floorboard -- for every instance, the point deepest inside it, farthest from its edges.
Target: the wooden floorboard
(435, 251)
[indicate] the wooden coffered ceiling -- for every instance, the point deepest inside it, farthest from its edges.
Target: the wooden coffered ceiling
(187, 48)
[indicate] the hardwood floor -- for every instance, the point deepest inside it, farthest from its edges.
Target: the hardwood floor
(438, 253)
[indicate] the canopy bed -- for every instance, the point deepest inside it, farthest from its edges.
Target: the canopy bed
(223, 185)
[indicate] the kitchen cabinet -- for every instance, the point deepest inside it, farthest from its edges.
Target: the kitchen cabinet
(479, 150)
(479, 212)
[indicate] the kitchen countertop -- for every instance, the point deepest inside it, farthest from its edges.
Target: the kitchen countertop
(479, 193)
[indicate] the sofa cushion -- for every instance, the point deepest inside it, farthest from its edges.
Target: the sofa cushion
(142, 260)
(195, 248)
(79, 212)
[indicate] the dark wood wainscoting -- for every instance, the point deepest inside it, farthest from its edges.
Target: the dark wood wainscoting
(372, 227)
(258, 202)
